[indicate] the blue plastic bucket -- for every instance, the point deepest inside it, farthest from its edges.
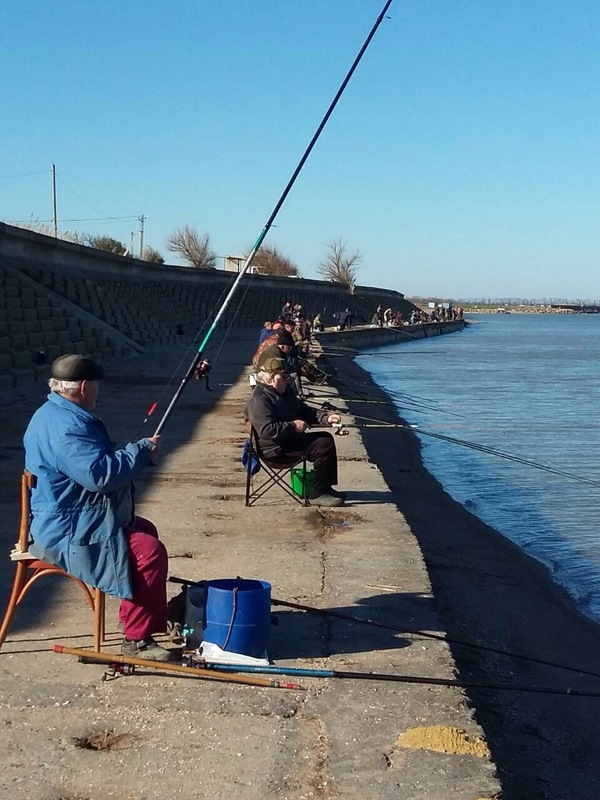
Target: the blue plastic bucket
(237, 615)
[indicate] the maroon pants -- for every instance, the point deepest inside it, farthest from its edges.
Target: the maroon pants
(146, 612)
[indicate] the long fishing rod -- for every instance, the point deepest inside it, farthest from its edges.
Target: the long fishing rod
(92, 656)
(373, 422)
(383, 676)
(198, 357)
(327, 612)
(492, 451)
(406, 399)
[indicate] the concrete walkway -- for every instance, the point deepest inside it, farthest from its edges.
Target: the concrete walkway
(177, 737)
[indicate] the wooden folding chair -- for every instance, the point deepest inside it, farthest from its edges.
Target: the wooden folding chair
(30, 569)
(276, 473)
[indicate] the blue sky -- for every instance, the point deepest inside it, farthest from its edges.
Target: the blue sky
(462, 160)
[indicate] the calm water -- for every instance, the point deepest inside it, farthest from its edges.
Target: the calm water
(528, 385)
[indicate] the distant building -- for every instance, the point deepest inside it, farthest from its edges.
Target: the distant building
(236, 264)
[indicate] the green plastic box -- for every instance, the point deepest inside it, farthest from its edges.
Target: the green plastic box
(299, 487)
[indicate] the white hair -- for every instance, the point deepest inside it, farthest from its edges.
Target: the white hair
(263, 377)
(64, 387)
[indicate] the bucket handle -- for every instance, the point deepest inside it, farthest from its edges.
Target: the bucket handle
(233, 613)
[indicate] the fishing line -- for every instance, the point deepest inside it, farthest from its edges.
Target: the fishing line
(198, 357)
(424, 401)
(155, 404)
(401, 397)
(468, 444)
(234, 317)
(493, 451)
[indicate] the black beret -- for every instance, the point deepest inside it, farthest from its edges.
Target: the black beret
(76, 368)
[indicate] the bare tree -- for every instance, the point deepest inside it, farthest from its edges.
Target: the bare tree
(192, 246)
(340, 266)
(152, 255)
(270, 261)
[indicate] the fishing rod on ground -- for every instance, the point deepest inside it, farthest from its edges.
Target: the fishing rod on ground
(326, 612)
(392, 678)
(93, 657)
(198, 362)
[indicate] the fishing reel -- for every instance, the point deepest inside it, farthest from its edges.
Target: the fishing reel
(340, 430)
(201, 372)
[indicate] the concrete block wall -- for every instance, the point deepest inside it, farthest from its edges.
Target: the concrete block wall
(121, 304)
(67, 288)
(149, 311)
(32, 321)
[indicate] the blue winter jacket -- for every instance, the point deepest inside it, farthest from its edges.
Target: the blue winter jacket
(84, 494)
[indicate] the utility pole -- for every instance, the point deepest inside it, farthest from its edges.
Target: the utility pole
(54, 217)
(141, 219)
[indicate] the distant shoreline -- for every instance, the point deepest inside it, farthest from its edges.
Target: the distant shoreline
(523, 310)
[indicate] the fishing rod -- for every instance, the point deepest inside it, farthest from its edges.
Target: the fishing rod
(492, 451)
(327, 612)
(197, 362)
(373, 422)
(93, 657)
(406, 399)
(383, 676)
(461, 442)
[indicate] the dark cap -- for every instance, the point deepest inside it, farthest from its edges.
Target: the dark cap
(283, 337)
(76, 368)
(274, 366)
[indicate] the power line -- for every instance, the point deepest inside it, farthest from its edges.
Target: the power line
(79, 197)
(25, 174)
(80, 219)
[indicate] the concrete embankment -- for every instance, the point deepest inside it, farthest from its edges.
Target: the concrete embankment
(488, 592)
(193, 739)
(364, 336)
(59, 297)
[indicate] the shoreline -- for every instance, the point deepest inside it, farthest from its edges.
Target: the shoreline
(487, 590)
(378, 558)
(330, 739)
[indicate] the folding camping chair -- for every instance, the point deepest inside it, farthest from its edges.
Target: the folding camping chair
(30, 569)
(312, 373)
(276, 474)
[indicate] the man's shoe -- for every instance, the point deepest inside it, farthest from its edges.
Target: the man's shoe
(335, 493)
(145, 648)
(326, 500)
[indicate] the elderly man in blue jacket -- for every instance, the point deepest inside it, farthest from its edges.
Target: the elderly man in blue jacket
(82, 506)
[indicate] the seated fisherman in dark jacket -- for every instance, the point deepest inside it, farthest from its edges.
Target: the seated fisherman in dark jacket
(281, 421)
